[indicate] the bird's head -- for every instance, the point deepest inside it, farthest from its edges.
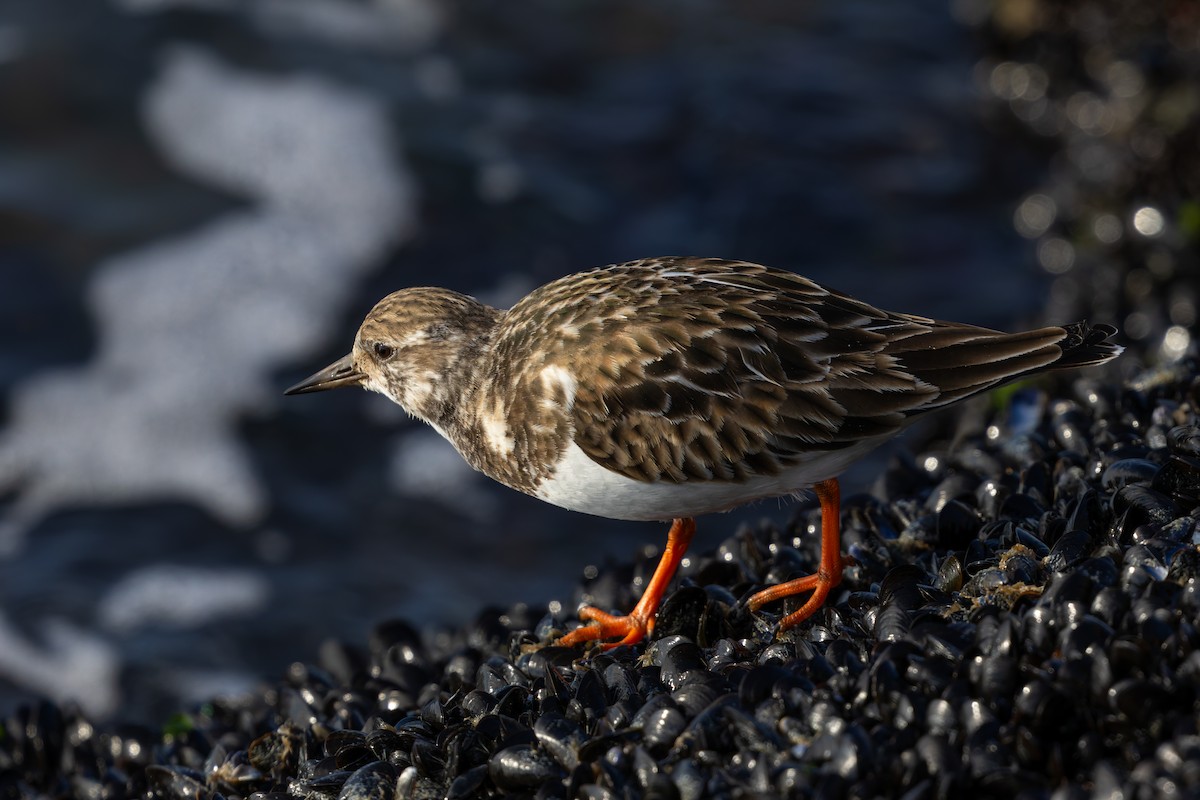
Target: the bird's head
(407, 348)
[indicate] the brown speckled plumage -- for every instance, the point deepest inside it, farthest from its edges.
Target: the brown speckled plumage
(691, 377)
(686, 369)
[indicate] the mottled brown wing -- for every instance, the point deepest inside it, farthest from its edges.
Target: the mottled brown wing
(740, 371)
(701, 368)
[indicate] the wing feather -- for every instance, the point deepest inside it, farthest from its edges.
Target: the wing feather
(695, 369)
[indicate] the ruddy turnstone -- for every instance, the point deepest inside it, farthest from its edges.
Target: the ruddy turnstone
(667, 388)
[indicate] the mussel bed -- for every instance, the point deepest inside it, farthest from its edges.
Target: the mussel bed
(1021, 621)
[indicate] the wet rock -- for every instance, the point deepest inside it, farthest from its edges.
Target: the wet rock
(523, 767)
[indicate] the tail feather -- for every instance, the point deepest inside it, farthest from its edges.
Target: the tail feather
(1086, 345)
(967, 360)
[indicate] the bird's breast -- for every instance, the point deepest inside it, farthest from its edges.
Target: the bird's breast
(515, 431)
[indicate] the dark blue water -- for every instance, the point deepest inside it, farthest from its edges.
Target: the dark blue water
(197, 206)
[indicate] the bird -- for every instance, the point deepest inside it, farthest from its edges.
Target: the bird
(673, 387)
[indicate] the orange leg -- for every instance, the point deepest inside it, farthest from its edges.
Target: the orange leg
(829, 572)
(633, 628)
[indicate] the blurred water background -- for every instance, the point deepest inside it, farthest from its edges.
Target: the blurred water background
(200, 199)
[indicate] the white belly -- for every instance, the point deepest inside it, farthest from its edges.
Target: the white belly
(580, 484)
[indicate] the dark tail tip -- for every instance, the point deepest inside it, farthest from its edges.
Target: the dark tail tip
(1087, 344)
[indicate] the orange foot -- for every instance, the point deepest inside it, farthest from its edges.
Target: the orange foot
(634, 627)
(829, 572)
(629, 629)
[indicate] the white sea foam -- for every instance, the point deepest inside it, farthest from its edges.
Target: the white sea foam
(175, 596)
(69, 664)
(191, 329)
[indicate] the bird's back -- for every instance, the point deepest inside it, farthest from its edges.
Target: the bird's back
(683, 370)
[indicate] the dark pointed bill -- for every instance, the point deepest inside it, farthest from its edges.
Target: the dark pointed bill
(339, 373)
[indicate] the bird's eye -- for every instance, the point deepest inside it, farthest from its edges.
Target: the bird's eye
(384, 351)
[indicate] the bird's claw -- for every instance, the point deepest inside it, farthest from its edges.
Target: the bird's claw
(627, 630)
